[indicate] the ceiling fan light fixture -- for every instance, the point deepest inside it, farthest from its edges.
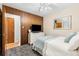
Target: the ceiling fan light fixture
(45, 7)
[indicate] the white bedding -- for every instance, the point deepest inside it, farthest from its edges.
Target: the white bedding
(53, 46)
(39, 44)
(57, 47)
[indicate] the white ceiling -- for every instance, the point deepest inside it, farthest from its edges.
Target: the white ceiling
(35, 7)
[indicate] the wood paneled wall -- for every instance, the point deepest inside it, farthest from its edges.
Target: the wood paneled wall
(0, 31)
(27, 19)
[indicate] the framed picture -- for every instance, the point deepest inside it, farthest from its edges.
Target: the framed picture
(63, 22)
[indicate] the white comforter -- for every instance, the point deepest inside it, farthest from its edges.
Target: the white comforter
(53, 46)
(57, 47)
(39, 44)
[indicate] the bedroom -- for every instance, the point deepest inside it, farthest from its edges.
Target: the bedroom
(57, 23)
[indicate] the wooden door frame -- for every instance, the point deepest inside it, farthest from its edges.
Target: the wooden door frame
(3, 30)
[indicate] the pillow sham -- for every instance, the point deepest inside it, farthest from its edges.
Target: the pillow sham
(74, 42)
(69, 37)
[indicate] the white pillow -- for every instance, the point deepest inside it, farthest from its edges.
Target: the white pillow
(74, 42)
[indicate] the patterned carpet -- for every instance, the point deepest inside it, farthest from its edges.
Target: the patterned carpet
(24, 50)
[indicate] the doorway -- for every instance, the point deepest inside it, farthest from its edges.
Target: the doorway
(10, 32)
(13, 31)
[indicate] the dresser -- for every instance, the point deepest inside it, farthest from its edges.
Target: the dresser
(33, 36)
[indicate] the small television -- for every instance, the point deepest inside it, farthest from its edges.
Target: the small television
(36, 28)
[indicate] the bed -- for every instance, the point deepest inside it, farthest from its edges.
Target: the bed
(40, 44)
(55, 46)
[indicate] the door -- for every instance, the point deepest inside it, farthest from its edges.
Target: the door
(10, 32)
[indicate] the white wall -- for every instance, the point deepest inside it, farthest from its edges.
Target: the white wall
(17, 30)
(0, 5)
(73, 11)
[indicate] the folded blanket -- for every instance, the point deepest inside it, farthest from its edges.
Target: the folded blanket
(39, 43)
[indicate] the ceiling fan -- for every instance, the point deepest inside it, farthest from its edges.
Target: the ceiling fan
(45, 7)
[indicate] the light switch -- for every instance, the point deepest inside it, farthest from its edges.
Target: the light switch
(22, 26)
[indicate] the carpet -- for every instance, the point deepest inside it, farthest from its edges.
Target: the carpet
(24, 50)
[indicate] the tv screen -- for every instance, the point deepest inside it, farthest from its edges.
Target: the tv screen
(36, 28)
